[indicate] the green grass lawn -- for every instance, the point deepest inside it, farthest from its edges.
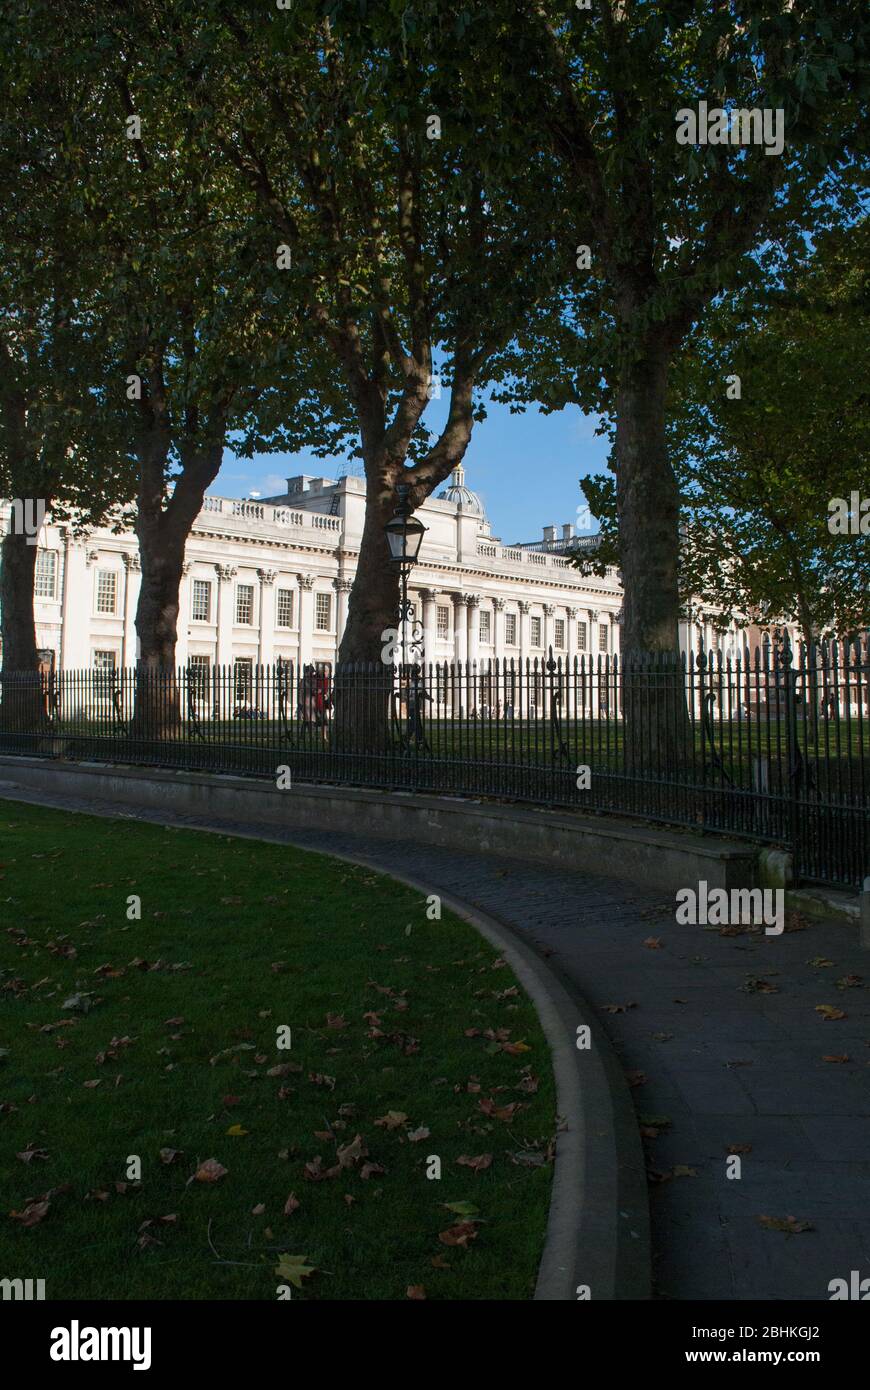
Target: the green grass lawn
(158, 1038)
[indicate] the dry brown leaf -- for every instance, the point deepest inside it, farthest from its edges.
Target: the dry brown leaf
(460, 1234)
(477, 1164)
(210, 1171)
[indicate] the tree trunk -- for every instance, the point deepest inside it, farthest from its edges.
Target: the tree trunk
(365, 676)
(157, 710)
(656, 722)
(648, 508)
(23, 707)
(162, 531)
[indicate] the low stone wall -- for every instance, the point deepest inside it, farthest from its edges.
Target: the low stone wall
(643, 854)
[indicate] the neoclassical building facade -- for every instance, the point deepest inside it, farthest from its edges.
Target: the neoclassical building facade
(270, 579)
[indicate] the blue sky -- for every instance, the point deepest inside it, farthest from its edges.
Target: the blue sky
(525, 467)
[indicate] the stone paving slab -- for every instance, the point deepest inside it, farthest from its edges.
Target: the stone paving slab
(740, 1067)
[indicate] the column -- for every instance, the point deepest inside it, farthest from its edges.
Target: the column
(498, 629)
(460, 629)
(430, 624)
(571, 636)
(225, 576)
(132, 585)
(524, 606)
(182, 622)
(342, 588)
(547, 635)
(77, 607)
(306, 618)
(592, 619)
(266, 646)
(472, 602)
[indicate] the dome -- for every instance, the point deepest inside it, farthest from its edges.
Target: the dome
(457, 492)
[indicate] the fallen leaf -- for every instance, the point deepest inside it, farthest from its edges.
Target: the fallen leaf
(477, 1164)
(210, 1171)
(33, 1213)
(464, 1209)
(415, 1291)
(739, 1149)
(788, 1224)
(29, 1154)
(617, 1008)
(351, 1153)
(258, 1209)
(829, 1013)
(392, 1120)
(653, 943)
(292, 1204)
(369, 1169)
(500, 1112)
(237, 1131)
(843, 1057)
(294, 1269)
(415, 1135)
(460, 1234)
(169, 1155)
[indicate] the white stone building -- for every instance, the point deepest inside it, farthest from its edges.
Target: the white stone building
(270, 578)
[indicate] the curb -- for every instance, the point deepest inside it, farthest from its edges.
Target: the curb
(598, 1233)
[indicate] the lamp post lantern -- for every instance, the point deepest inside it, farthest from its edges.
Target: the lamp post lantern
(404, 537)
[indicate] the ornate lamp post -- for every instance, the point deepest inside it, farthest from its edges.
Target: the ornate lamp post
(404, 537)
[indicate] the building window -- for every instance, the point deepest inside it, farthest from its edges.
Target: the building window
(322, 612)
(244, 605)
(510, 629)
(559, 640)
(285, 608)
(199, 671)
(45, 584)
(243, 671)
(104, 664)
(485, 625)
(107, 591)
(581, 637)
(536, 632)
(443, 630)
(200, 608)
(603, 637)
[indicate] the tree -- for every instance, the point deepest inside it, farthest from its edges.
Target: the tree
(62, 449)
(760, 464)
(197, 353)
(670, 225)
(760, 472)
(404, 239)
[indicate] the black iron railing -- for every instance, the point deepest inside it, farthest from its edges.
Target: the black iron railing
(770, 747)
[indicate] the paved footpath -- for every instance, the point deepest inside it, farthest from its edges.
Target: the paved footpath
(727, 1061)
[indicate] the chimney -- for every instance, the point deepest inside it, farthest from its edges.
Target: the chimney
(567, 532)
(549, 535)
